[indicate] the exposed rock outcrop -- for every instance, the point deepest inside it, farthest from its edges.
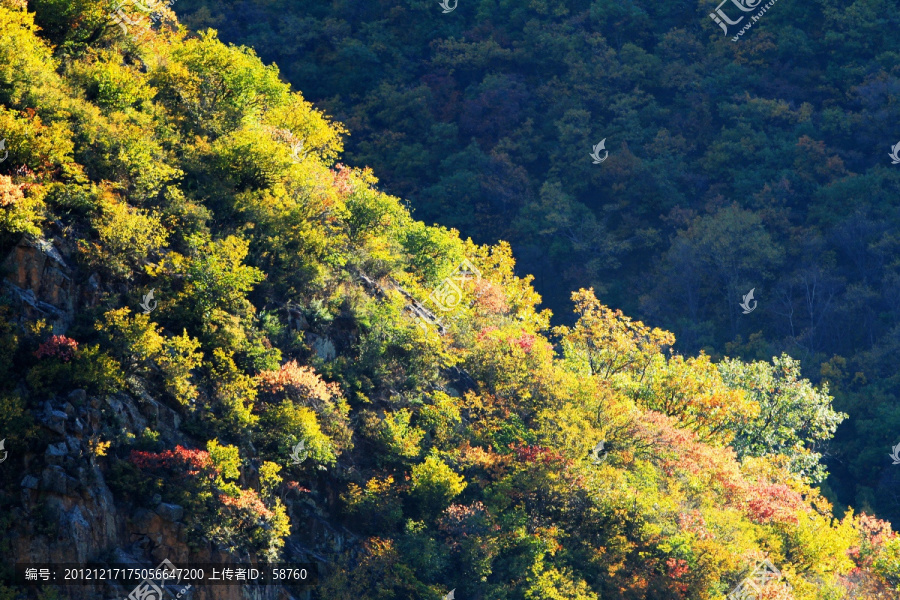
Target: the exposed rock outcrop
(36, 275)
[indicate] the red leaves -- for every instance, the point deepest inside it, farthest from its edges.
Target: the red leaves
(676, 569)
(693, 522)
(181, 460)
(875, 531)
(525, 342)
(485, 332)
(773, 502)
(535, 454)
(293, 486)
(874, 534)
(58, 346)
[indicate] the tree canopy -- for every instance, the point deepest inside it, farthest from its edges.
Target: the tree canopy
(332, 360)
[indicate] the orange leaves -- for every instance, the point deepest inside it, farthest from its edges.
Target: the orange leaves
(693, 391)
(756, 488)
(300, 383)
(10, 193)
(482, 464)
(490, 298)
(247, 500)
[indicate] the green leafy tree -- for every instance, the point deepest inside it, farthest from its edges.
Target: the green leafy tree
(794, 417)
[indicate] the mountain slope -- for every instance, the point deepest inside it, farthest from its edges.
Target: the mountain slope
(762, 163)
(316, 376)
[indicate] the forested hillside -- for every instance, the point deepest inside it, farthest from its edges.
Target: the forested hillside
(217, 340)
(758, 164)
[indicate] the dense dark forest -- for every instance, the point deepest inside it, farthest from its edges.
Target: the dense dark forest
(758, 164)
(446, 302)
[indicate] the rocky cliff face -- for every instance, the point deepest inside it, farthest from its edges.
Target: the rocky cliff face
(39, 278)
(69, 514)
(67, 511)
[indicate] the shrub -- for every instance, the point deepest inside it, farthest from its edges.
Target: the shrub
(269, 480)
(109, 82)
(225, 459)
(40, 148)
(302, 386)
(127, 236)
(375, 509)
(434, 484)
(283, 426)
(299, 383)
(21, 208)
(126, 479)
(180, 462)
(399, 438)
(215, 507)
(9, 348)
(141, 346)
(16, 423)
(63, 365)
(234, 395)
(58, 346)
